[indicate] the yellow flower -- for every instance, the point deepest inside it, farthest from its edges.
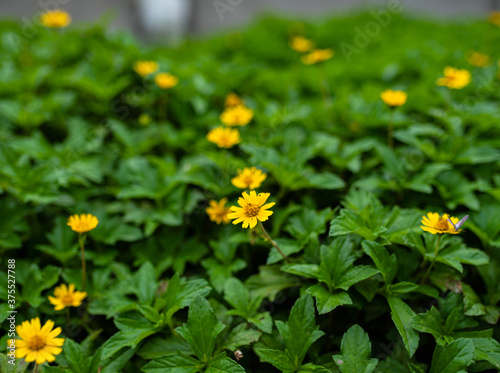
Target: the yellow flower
(66, 296)
(82, 223)
(454, 78)
(317, 55)
(478, 59)
(144, 67)
(495, 18)
(434, 224)
(224, 137)
(217, 211)
(236, 116)
(232, 99)
(252, 209)
(249, 178)
(301, 44)
(144, 119)
(38, 344)
(393, 98)
(166, 80)
(55, 18)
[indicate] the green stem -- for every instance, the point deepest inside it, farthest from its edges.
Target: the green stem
(433, 260)
(323, 85)
(273, 243)
(81, 240)
(35, 369)
(390, 130)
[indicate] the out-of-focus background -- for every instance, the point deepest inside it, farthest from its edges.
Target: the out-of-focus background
(177, 18)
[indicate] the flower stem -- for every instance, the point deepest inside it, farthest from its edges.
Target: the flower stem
(35, 369)
(390, 130)
(273, 243)
(81, 240)
(433, 260)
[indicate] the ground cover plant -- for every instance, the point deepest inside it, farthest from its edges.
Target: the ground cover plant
(344, 157)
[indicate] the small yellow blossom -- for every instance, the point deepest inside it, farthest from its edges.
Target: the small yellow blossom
(393, 98)
(317, 55)
(478, 59)
(232, 99)
(249, 178)
(145, 67)
(495, 18)
(66, 296)
(433, 223)
(217, 211)
(55, 18)
(252, 209)
(236, 116)
(82, 223)
(37, 343)
(166, 80)
(454, 78)
(144, 119)
(301, 44)
(224, 137)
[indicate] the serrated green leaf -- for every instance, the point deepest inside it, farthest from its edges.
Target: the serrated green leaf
(402, 316)
(327, 302)
(356, 352)
(452, 358)
(178, 363)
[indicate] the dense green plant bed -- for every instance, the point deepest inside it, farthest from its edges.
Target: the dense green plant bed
(358, 286)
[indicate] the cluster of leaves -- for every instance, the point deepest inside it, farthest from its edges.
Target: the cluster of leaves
(170, 291)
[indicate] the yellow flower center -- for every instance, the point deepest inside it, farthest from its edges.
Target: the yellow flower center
(251, 210)
(67, 299)
(248, 180)
(36, 343)
(442, 225)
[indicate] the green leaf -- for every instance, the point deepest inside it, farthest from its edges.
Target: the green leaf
(487, 349)
(311, 368)
(178, 363)
(202, 328)
(385, 263)
(75, 357)
(430, 322)
(37, 281)
(327, 302)
(238, 296)
(269, 282)
(223, 364)
(454, 357)
(300, 332)
(402, 287)
(402, 316)
(275, 357)
(240, 336)
(356, 352)
(145, 283)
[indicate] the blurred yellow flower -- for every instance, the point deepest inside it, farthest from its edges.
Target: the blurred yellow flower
(317, 55)
(145, 67)
(249, 178)
(217, 211)
(478, 59)
(454, 78)
(236, 116)
(252, 209)
(66, 296)
(393, 98)
(232, 99)
(82, 223)
(495, 18)
(38, 344)
(55, 18)
(224, 137)
(301, 44)
(433, 223)
(166, 80)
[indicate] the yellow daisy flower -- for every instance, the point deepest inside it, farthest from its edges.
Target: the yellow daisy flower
(66, 296)
(301, 44)
(252, 209)
(55, 18)
(224, 137)
(38, 344)
(145, 67)
(318, 55)
(249, 178)
(454, 78)
(82, 223)
(232, 99)
(393, 98)
(433, 223)
(166, 80)
(236, 116)
(495, 18)
(478, 59)
(217, 211)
